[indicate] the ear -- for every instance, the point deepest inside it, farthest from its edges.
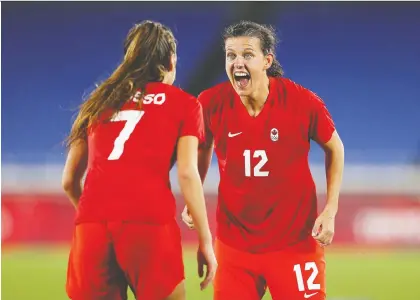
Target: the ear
(268, 59)
(172, 62)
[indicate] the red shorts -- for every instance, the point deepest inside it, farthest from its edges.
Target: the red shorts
(292, 274)
(106, 258)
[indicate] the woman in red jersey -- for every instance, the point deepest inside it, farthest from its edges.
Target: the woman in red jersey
(127, 137)
(260, 124)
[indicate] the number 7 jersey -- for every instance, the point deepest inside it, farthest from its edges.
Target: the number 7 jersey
(267, 197)
(131, 153)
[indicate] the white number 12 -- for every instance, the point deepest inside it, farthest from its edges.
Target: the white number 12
(132, 117)
(310, 281)
(257, 168)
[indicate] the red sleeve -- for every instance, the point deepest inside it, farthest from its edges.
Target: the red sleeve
(193, 123)
(205, 103)
(321, 125)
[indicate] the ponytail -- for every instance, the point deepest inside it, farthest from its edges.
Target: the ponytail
(276, 69)
(147, 54)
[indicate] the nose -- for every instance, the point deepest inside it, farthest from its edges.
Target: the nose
(239, 62)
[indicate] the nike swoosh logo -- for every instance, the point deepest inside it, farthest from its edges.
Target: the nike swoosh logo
(306, 296)
(234, 134)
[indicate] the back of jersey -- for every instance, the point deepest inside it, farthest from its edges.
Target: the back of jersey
(131, 153)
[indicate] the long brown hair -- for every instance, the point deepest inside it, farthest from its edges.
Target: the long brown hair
(147, 57)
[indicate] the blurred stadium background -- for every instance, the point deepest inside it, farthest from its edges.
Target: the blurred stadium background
(363, 59)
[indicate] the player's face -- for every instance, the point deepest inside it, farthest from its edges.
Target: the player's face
(246, 64)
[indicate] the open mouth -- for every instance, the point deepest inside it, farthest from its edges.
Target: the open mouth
(241, 79)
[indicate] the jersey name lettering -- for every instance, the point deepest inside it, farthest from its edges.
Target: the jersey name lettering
(157, 99)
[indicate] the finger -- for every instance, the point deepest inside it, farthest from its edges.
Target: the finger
(190, 225)
(325, 237)
(317, 228)
(200, 268)
(186, 217)
(204, 283)
(328, 239)
(209, 276)
(322, 244)
(322, 235)
(188, 220)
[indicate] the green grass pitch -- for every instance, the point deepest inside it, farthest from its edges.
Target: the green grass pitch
(39, 274)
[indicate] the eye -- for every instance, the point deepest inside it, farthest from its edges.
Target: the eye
(248, 56)
(230, 56)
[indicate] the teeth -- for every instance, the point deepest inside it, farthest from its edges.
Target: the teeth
(240, 74)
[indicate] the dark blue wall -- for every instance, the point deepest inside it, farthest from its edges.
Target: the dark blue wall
(363, 59)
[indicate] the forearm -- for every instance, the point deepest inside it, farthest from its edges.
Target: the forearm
(204, 160)
(74, 192)
(334, 166)
(194, 198)
(74, 170)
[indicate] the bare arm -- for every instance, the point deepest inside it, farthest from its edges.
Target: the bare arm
(334, 166)
(205, 154)
(191, 187)
(74, 170)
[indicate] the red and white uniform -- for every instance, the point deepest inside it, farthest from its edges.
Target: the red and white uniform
(267, 197)
(125, 219)
(130, 157)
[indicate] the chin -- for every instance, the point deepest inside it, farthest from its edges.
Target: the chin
(241, 92)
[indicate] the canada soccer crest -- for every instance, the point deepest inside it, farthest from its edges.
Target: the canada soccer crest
(274, 134)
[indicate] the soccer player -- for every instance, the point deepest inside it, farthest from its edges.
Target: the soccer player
(127, 135)
(260, 124)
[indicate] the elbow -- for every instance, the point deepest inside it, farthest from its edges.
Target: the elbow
(67, 184)
(187, 174)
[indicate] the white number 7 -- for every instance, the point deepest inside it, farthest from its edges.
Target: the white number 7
(132, 117)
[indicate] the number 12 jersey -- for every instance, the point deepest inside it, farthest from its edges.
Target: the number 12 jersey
(267, 197)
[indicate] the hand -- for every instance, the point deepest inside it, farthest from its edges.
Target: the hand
(323, 230)
(206, 256)
(187, 219)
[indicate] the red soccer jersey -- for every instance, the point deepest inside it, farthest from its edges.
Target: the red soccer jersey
(130, 157)
(267, 197)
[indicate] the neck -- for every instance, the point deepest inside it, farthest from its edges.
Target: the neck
(255, 102)
(167, 79)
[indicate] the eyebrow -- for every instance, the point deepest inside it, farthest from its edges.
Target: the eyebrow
(245, 49)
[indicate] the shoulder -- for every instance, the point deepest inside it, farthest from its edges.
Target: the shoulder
(216, 95)
(300, 94)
